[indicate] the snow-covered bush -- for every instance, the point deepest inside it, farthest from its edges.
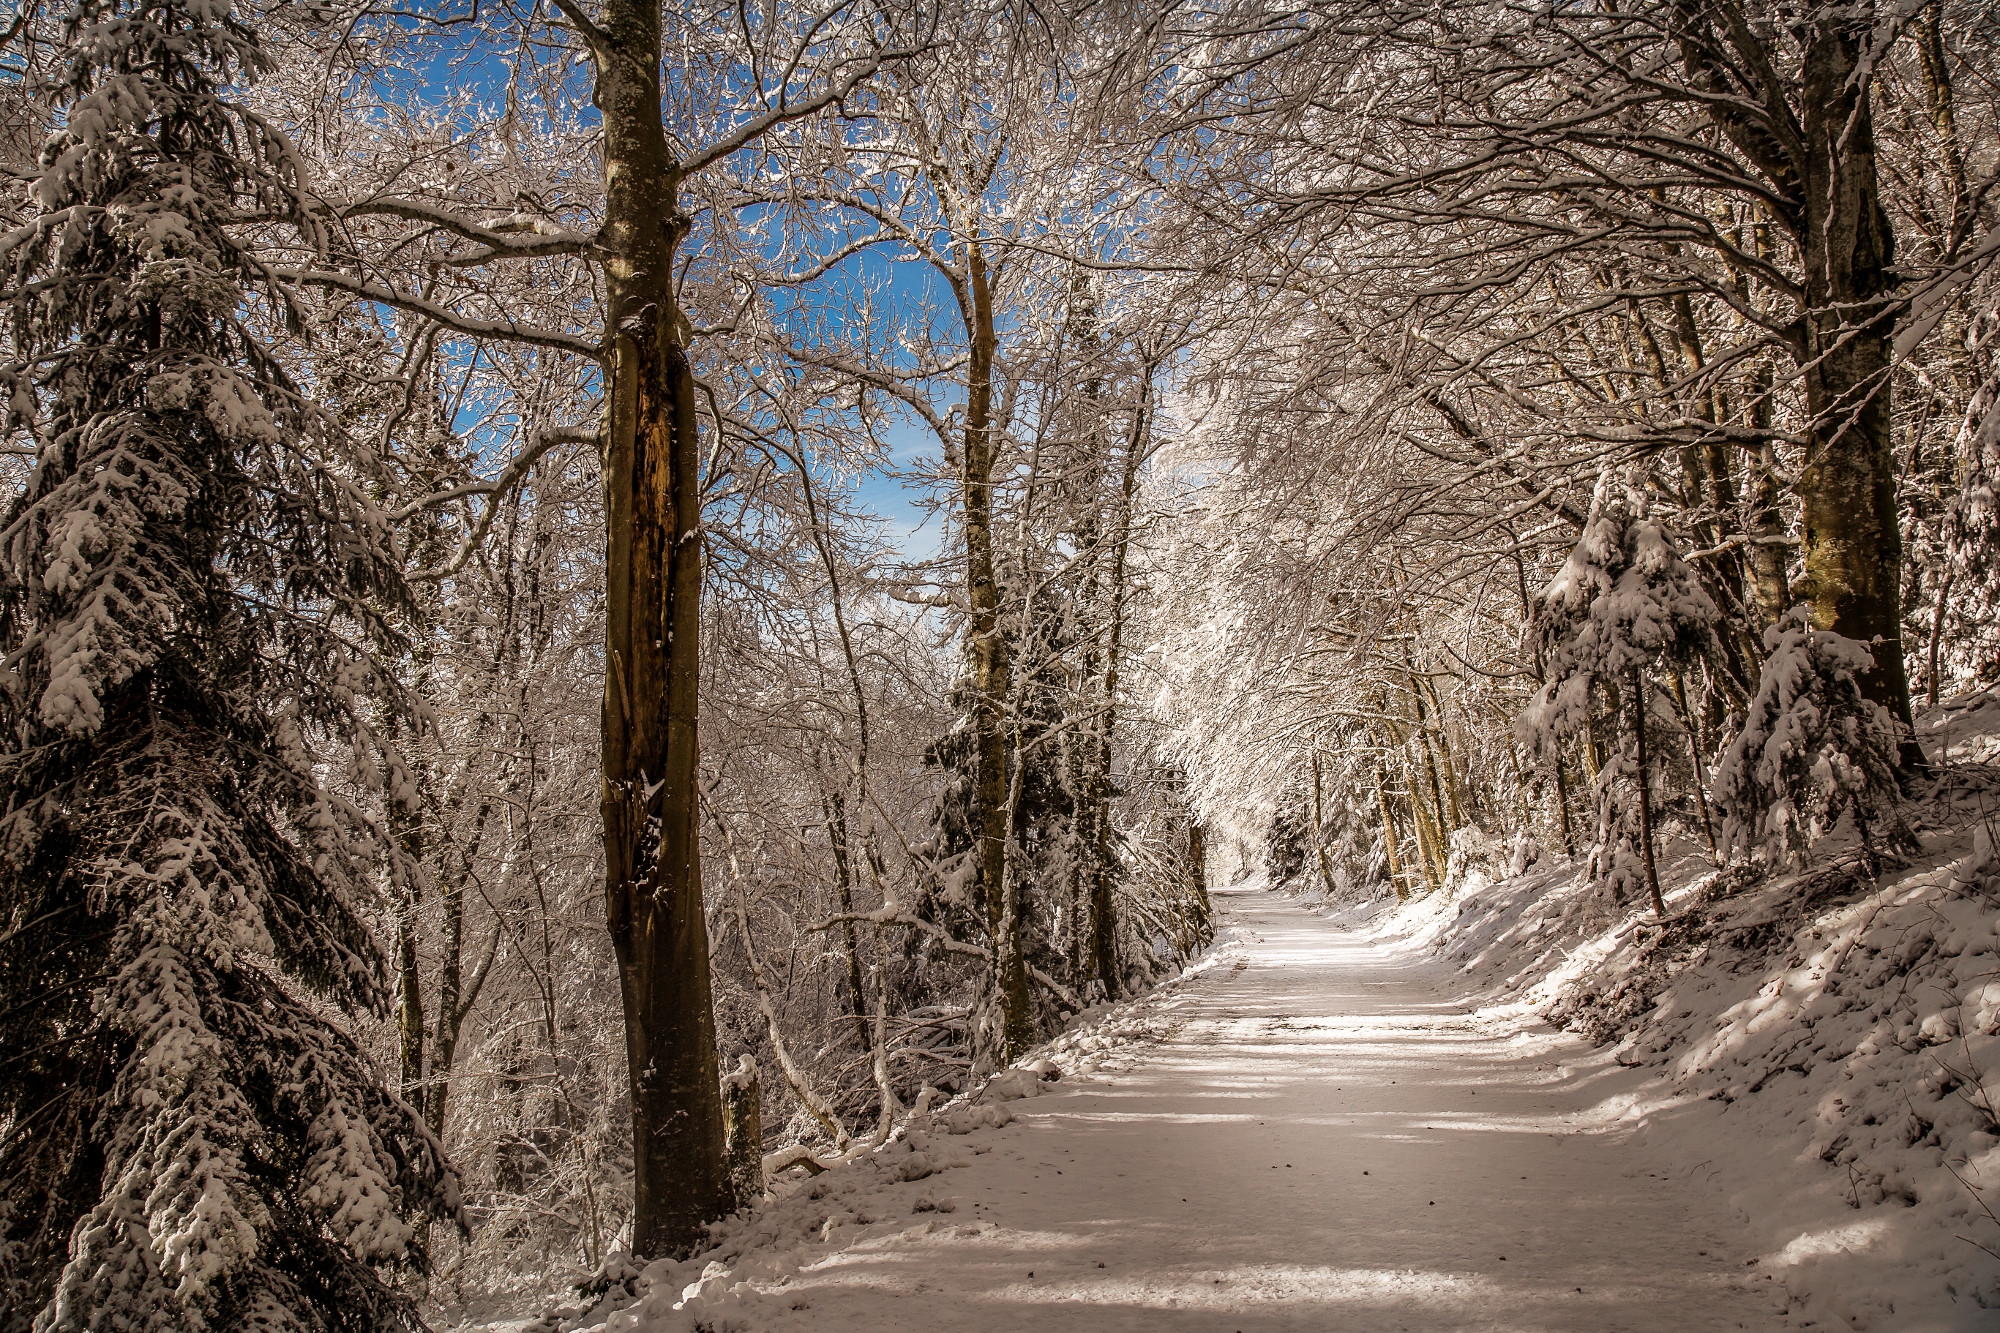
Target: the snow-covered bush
(1288, 846)
(1476, 859)
(1810, 748)
(1623, 605)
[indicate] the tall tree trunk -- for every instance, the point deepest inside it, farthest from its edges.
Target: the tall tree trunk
(1770, 590)
(1854, 549)
(1562, 805)
(451, 987)
(409, 1003)
(1638, 691)
(1443, 801)
(1815, 141)
(455, 997)
(990, 671)
(405, 823)
(456, 993)
(652, 504)
(1197, 866)
(1429, 857)
(1390, 838)
(1103, 907)
(1319, 823)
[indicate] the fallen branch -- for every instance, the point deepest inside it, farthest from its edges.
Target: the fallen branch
(786, 1158)
(892, 915)
(1062, 992)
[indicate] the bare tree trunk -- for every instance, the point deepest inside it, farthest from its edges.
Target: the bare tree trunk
(1819, 153)
(834, 806)
(1319, 822)
(1638, 691)
(1441, 800)
(1197, 864)
(1937, 633)
(1429, 858)
(1457, 794)
(456, 995)
(451, 988)
(1390, 837)
(652, 503)
(743, 1130)
(1103, 908)
(990, 672)
(1562, 806)
(1854, 550)
(1766, 531)
(409, 1002)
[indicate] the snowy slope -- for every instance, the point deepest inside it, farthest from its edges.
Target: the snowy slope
(1822, 1045)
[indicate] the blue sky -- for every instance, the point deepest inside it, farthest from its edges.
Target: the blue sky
(894, 499)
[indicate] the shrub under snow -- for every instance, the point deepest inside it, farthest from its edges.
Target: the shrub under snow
(1810, 750)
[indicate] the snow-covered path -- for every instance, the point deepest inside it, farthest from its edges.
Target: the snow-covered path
(1321, 1138)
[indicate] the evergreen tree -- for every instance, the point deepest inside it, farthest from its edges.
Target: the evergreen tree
(1623, 604)
(1812, 748)
(196, 599)
(1047, 849)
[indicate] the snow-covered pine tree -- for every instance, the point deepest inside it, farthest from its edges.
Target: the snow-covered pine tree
(195, 598)
(1810, 749)
(1623, 605)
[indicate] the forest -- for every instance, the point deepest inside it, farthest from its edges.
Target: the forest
(607, 604)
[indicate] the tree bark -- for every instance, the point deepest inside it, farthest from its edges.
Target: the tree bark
(652, 504)
(1197, 864)
(1815, 142)
(743, 1125)
(1854, 549)
(990, 670)
(1103, 907)
(1389, 835)
(1319, 824)
(834, 807)
(1638, 690)
(409, 1003)
(1770, 589)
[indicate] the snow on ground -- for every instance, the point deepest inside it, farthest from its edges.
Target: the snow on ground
(1774, 1111)
(1821, 1045)
(1314, 1130)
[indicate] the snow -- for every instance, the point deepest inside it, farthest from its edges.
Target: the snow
(1494, 1107)
(1810, 746)
(1317, 1127)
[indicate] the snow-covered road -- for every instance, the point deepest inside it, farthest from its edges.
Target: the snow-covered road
(1321, 1136)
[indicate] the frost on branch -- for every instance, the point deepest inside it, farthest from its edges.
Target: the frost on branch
(1810, 749)
(1623, 605)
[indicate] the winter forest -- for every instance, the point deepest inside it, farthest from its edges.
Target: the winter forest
(647, 646)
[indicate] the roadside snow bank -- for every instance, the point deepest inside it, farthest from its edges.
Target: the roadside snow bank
(1823, 1046)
